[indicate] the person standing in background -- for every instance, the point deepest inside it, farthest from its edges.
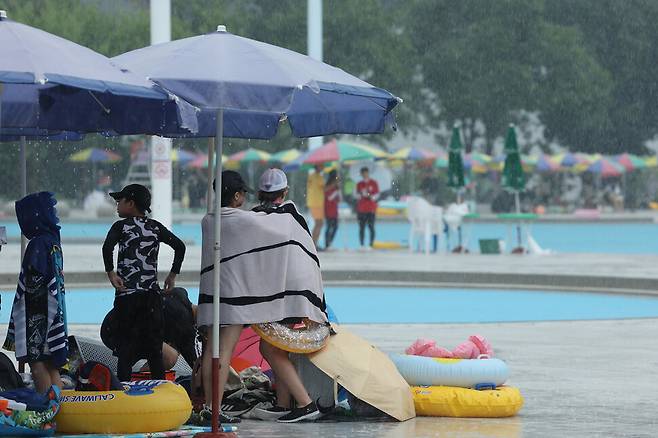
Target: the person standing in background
(315, 201)
(366, 194)
(331, 200)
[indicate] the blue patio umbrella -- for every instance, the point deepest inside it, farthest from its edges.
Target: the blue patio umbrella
(53, 84)
(52, 88)
(258, 86)
(246, 89)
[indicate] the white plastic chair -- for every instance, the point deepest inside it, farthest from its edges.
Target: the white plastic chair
(454, 216)
(419, 214)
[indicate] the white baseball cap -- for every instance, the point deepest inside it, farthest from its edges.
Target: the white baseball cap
(273, 180)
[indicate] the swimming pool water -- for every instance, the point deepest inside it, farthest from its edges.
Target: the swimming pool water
(363, 305)
(624, 238)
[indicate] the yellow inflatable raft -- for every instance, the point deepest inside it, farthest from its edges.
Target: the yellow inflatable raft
(146, 406)
(450, 401)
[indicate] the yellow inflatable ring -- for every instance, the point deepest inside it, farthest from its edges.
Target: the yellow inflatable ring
(311, 337)
(386, 244)
(387, 211)
(145, 406)
(451, 401)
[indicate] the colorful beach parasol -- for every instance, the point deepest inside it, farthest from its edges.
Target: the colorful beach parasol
(477, 162)
(95, 155)
(337, 151)
(285, 156)
(566, 159)
(200, 161)
(342, 151)
(630, 161)
(546, 163)
(606, 168)
(441, 160)
(182, 156)
(413, 153)
(250, 155)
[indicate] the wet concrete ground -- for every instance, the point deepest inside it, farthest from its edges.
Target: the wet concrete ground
(578, 378)
(622, 273)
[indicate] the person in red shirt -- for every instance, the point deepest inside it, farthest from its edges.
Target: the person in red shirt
(366, 194)
(331, 200)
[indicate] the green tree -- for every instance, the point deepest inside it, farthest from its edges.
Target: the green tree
(486, 60)
(621, 36)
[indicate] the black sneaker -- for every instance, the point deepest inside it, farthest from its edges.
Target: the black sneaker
(270, 414)
(235, 407)
(309, 412)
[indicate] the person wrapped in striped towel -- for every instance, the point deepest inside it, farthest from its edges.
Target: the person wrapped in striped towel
(270, 272)
(37, 327)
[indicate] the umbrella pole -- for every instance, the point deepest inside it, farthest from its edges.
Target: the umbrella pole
(219, 144)
(23, 157)
(210, 169)
(518, 224)
(459, 228)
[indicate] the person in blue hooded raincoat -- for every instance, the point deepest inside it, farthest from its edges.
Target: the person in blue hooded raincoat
(37, 328)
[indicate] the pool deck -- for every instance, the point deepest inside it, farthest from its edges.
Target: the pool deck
(578, 378)
(613, 273)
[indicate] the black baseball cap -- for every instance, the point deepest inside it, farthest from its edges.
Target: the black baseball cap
(137, 193)
(232, 182)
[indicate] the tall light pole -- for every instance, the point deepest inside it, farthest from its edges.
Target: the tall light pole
(314, 44)
(161, 172)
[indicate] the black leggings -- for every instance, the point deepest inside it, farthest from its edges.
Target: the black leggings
(141, 332)
(330, 231)
(366, 219)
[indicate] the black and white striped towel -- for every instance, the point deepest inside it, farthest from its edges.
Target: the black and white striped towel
(269, 268)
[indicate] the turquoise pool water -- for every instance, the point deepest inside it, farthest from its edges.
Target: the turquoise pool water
(562, 237)
(368, 305)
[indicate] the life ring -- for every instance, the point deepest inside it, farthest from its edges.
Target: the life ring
(447, 401)
(308, 337)
(464, 373)
(386, 244)
(144, 406)
(388, 211)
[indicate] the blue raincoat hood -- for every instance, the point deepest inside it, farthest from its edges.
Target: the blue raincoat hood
(37, 216)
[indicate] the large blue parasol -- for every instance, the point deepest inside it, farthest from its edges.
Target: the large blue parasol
(53, 84)
(246, 89)
(52, 88)
(258, 85)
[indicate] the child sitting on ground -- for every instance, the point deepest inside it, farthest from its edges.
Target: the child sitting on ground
(37, 328)
(138, 301)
